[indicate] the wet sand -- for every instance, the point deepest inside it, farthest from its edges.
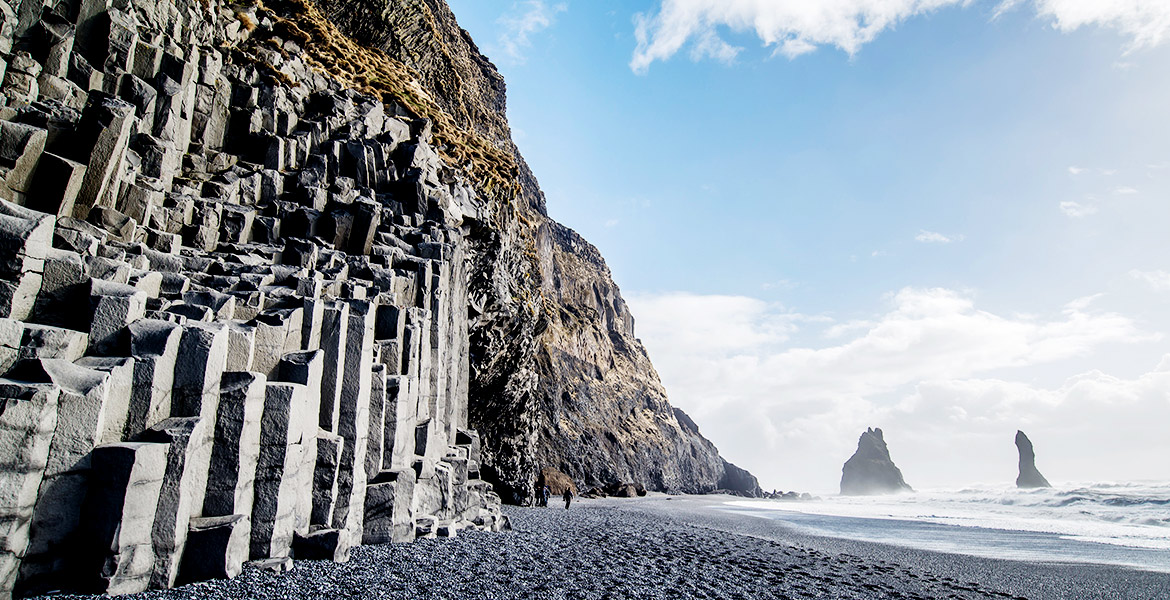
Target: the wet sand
(669, 547)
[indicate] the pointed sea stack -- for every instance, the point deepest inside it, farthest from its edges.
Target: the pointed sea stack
(870, 470)
(1029, 477)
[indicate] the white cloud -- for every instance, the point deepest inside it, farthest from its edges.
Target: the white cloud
(1125, 191)
(531, 17)
(728, 361)
(1158, 280)
(612, 223)
(933, 237)
(980, 415)
(1075, 170)
(796, 27)
(719, 323)
(711, 46)
(780, 284)
(1077, 210)
(1145, 22)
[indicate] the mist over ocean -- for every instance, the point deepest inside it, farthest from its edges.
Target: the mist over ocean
(1125, 524)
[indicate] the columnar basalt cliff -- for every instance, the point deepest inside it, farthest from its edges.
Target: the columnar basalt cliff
(871, 470)
(1029, 476)
(260, 284)
(558, 377)
(235, 299)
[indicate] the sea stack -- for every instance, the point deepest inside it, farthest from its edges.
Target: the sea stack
(1030, 477)
(870, 470)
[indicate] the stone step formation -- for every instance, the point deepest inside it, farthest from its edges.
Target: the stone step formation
(233, 304)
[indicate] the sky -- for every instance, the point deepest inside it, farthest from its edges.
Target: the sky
(945, 218)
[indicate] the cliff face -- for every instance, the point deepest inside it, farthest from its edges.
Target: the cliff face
(603, 415)
(871, 470)
(236, 286)
(257, 279)
(558, 378)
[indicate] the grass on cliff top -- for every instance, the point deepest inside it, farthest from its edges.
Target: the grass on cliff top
(372, 72)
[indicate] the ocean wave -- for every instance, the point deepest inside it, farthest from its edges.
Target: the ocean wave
(1117, 513)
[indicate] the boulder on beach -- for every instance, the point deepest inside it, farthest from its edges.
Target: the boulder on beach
(625, 490)
(595, 492)
(870, 470)
(1030, 476)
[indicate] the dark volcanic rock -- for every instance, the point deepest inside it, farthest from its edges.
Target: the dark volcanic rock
(258, 278)
(1029, 477)
(624, 490)
(870, 470)
(558, 378)
(739, 480)
(241, 331)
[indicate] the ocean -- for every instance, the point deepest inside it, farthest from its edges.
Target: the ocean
(1124, 524)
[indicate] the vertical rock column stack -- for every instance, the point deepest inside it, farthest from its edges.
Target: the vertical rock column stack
(233, 304)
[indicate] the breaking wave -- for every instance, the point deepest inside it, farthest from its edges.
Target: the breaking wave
(1134, 515)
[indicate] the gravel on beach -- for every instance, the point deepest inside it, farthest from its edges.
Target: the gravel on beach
(665, 548)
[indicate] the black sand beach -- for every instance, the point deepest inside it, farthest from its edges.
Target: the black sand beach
(669, 547)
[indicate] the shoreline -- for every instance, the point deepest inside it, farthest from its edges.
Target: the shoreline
(1036, 580)
(666, 547)
(980, 541)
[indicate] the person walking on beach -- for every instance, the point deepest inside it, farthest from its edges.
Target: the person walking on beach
(568, 496)
(546, 493)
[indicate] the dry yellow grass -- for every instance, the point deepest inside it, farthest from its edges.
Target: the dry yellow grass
(246, 20)
(372, 72)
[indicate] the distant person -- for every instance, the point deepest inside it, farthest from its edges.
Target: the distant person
(546, 493)
(568, 496)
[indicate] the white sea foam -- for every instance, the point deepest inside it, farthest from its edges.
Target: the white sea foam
(1133, 515)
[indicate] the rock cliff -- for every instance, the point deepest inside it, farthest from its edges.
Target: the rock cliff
(1029, 476)
(740, 481)
(558, 377)
(259, 285)
(234, 291)
(871, 470)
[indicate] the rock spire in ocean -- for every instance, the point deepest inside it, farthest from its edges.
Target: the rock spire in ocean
(1030, 476)
(870, 470)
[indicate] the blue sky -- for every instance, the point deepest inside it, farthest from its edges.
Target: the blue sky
(952, 224)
